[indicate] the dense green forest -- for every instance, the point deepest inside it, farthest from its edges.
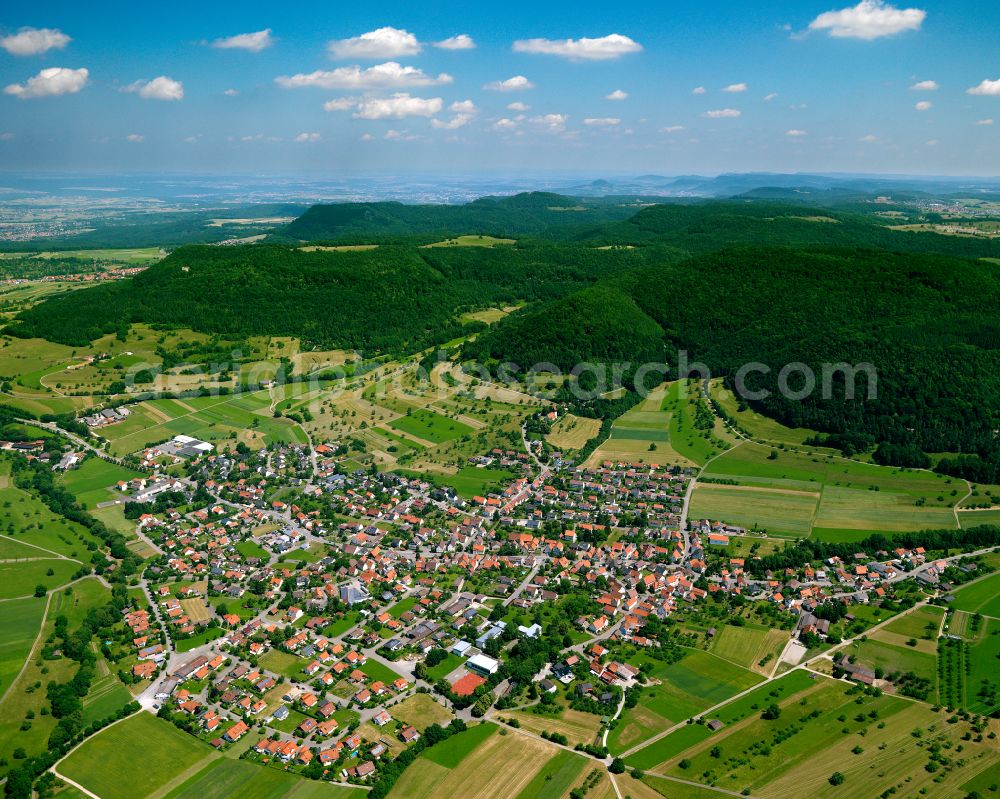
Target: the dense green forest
(528, 213)
(390, 299)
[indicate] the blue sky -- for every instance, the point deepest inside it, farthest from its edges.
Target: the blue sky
(820, 85)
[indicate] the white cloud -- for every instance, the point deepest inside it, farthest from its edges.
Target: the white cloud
(735, 88)
(923, 105)
(796, 134)
(399, 106)
(769, 97)
(50, 82)
(231, 92)
(518, 106)
(601, 49)
(464, 111)
(396, 135)
(34, 41)
(161, 88)
(722, 113)
(135, 137)
(925, 86)
(461, 42)
(505, 124)
(932, 142)
(381, 43)
(7, 136)
(602, 121)
(389, 75)
(193, 139)
(307, 137)
(253, 42)
(987, 88)
(552, 123)
(617, 94)
(672, 129)
(869, 19)
(869, 138)
(367, 137)
(984, 121)
(515, 84)
(341, 104)
(699, 90)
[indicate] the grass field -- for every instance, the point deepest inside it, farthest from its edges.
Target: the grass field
(421, 711)
(20, 621)
(982, 684)
(430, 426)
(667, 748)
(980, 597)
(471, 241)
(90, 482)
(840, 497)
(643, 434)
(106, 697)
(499, 766)
(555, 778)
(749, 645)
(572, 432)
(101, 761)
(471, 481)
(239, 779)
(677, 691)
(894, 658)
(19, 579)
(578, 727)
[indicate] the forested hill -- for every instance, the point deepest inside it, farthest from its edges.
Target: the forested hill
(928, 323)
(396, 299)
(523, 214)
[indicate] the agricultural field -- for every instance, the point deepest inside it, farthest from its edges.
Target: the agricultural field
(90, 482)
(472, 241)
(675, 692)
(643, 434)
(577, 726)
(19, 579)
(982, 596)
(750, 645)
(20, 621)
(430, 426)
(219, 419)
(480, 768)
(572, 432)
(99, 763)
(778, 511)
(239, 779)
(850, 499)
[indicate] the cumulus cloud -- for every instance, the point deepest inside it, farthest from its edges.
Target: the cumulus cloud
(672, 129)
(869, 138)
(617, 94)
(464, 111)
(389, 75)
(34, 41)
(161, 88)
(367, 137)
(869, 19)
(600, 49)
(699, 90)
(397, 135)
(602, 122)
(923, 105)
(341, 104)
(461, 42)
(50, 82)
(723, 113)
(984, 121)
(399, 106)
(987, 88)
(795, 134)
(135, 137)
(551, 123)
(304, 138)
(769, 97)
(231, 92)
(925, 86)
(515, 84)
(253, 42)
(505, 125)
(735, 88)
(518, 106)
(381, 43)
